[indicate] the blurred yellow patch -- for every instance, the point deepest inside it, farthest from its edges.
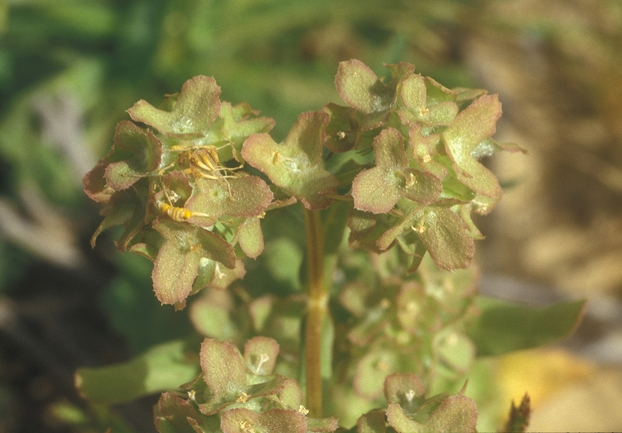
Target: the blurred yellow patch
(541, 373)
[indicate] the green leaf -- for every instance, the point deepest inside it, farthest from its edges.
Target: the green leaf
(322, 424)
(360, 87)
(446, 237)
(504, 327)
(342, 132)
(455, 350)
(238, 125)
(401, 422)
(132, 198)
(290, 394)
(95, 184)
(430, 109)
(177, 263)
(211, 315)
(378, 189)
(242, 420)
(414, 93)
(371, 371)
(215, 276)
(245, 196)
(372, 422)
(296, 165)
(176, 415)
(472, 126)
(177, 185)
(366, 229)
(353, 297)
(425, 149)
(195, 110)
(455, 414)
(224, 372)
(269, 389)
(163, 367)
(260, 354)
(145, 153)
(404, 389)
(411, 302)
(250, 237)
(119, 211)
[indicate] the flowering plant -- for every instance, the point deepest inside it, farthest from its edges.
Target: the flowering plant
(375, 304)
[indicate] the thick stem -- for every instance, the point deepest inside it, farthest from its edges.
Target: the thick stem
(316, 310)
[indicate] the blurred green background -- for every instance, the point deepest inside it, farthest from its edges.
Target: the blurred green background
(69, 69)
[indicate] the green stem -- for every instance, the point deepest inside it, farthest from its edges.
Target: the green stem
(316, 310)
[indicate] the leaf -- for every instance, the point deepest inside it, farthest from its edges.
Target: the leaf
(260, 354)
(504, 327)
(145, 153)
(211, 315)
(411, 308)
(399, 420)
(296, 165)
(290, 394)
(175, 268)
(177, 185)
(163, 367)
(269, 389)
(472, 126)
(372, 422)
(245, 196)
(404, 389)
(177, 263)
(371, 371)
(414, 93)
(425, 151)
(423, 108)
(446, 237)
(360, 87)
(342, 132)
(322, 424)
(455, 350)
(455, 414)
(95, 184)
(238, 125)
(133, 198)
(119, 211)
(176, 415)
(224, 276)
(378, 189)
(250, 237)
(224, 373)
(242, 420)
(366, 229)
(195, 110)
(353, 297)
